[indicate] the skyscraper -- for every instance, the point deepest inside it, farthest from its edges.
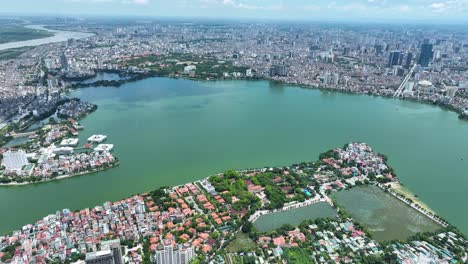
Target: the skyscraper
(64, 62)
(170, 253)
(114, 246)
(279, 70)
(409, 58)
(110, 253)
(426, 55)
(394, 58)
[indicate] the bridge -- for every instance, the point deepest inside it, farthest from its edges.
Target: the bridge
(401, 88)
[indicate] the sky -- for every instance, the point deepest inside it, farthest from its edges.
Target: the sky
(315, 10)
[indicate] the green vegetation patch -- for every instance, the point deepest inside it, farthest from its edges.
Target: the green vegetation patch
(173, 64)
(297, 255)
(10, 54)
(242, 243)
(20, 33)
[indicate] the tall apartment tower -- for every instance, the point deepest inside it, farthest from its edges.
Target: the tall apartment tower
(426, 55)
(409, 58)
(170, 253)
(110, 253)
(394, 58)
(64, 62)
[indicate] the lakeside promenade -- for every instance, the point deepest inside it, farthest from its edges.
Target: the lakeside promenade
(113, 165)
(412, 205)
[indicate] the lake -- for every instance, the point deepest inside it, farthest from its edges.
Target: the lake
(386, 217)
(294, 217)
(172, 131)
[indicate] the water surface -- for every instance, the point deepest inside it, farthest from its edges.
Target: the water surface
(169, 132)
(294, 217)
(386, 217)
(59, 36)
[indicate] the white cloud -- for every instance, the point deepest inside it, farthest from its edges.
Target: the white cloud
(404, 8)
(239, 5)
(449, 5)
(139, 2)
(438, 6)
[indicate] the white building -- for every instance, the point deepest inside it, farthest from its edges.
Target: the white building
(97, 138)
(69, 142)
(190, 68)
(169, 253)
(14, 160)
(104, 147)
(110, 254)
(63, 150)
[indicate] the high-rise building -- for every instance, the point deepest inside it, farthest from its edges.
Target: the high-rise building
(336, 79)
(394, 58)
(379, 48)
(71, 42)
(49, 63)
(114, 246)
(409, 58)
(426, 55)
(279, 70)
(401, 58)
(52, 81)
(100, 257)
(64, 62)
(170, 253)
(110, 253)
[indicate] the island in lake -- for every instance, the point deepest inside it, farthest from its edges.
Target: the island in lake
(299, 213)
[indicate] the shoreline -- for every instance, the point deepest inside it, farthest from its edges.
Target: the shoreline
(427, 214)
(319, 198)
(58, 36)
(148, 75)
(61, 177)
(398, 188)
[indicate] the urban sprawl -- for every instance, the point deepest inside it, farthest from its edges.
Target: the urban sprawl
(203, 221)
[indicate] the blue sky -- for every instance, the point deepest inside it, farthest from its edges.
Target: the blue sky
(355, 10)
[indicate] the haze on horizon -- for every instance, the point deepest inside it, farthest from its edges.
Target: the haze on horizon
(448, 11)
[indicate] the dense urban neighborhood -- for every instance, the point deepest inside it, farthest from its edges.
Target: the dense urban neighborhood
(278, 214)
(408, 63)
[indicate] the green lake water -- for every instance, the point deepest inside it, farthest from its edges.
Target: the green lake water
(294, 217)
(386, 217)
(169, 132)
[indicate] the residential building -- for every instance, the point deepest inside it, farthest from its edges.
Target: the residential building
(170, 253)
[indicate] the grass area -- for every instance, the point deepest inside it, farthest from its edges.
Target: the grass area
(297, 256)
(242, 243)
(398, 188)
(233, 259)
(10, 54)
(236, 259)
(20, 33)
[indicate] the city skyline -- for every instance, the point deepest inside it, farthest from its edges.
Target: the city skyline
(444, 11)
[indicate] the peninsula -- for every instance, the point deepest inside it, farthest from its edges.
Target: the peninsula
(215, 219)
(52, 153)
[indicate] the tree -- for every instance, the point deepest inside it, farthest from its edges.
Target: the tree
(6, 256)
(247, 227)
